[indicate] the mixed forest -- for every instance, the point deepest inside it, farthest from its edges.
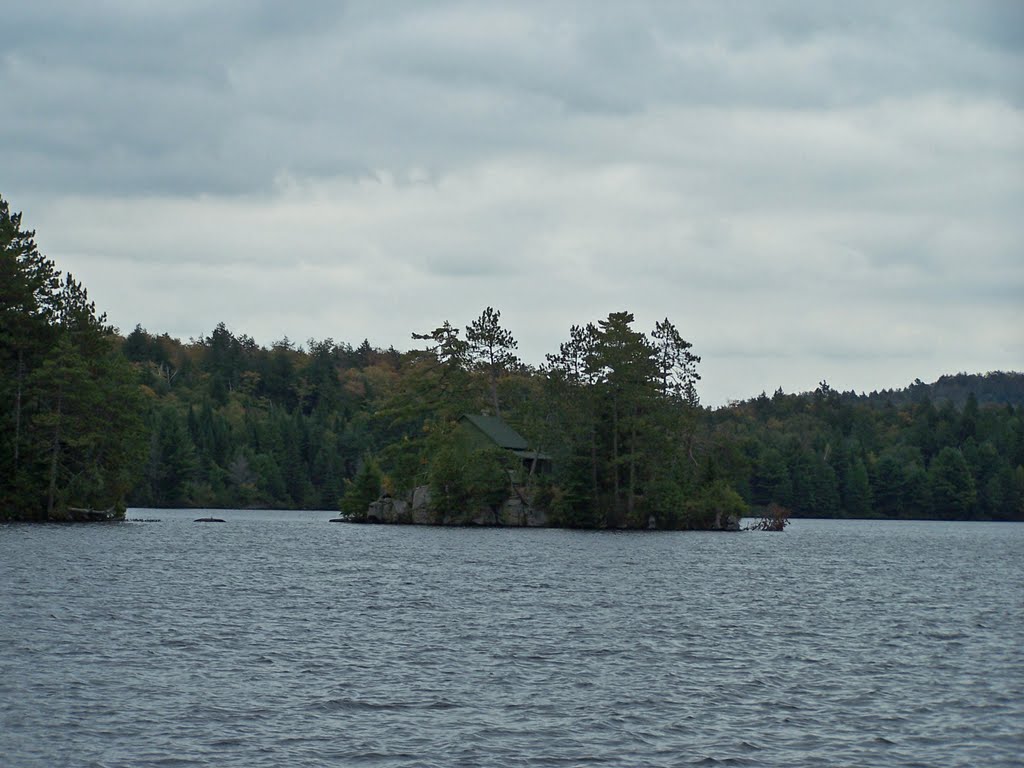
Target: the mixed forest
(99, 419)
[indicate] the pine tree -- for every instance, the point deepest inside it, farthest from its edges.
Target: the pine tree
(857, 501)
(362, 490)
(676, 364)
(624, 361)
(951, 486)
(490, 350)
(29, 283)
(86, 427)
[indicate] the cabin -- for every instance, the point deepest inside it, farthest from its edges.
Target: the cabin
(490, 431)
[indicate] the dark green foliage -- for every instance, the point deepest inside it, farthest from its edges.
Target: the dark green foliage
(888, 487)
(465, 483)
(666, 499)
(449, 487)
(487, 475)
(676, 365)
(230, 423)
(857, 499)
(362, 490)
(951, 485)
(490, 350)
(815, 486)
(268, 428)
(573, 502)
(770, 481)
(994, 388)
(622, 403)
(712, 506)
(616, 409)
(912, 460)
(28, 295)
(172, 463)
(72, 433)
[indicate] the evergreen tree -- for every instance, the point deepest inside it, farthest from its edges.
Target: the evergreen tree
(916, 499)
(362, 490)
(887, 487)
(28, 304)
(172, 464)
(951, 486)
(82, 439)
(624, 361)
(857, 500)
(772, 481)
(490, 350)
(676, 364)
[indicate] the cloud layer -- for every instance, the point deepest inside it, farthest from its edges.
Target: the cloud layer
(807, 190)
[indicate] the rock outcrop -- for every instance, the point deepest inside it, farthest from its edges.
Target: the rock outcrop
(514, 512)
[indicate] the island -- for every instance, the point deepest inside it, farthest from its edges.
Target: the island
(607, 431)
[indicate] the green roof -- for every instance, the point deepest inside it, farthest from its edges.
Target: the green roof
(500, 433)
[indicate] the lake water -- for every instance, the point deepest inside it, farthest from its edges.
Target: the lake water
(278, 639)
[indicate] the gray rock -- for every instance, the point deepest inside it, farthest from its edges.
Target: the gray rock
(514, 512)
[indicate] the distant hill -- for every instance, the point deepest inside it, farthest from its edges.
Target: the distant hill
(949, 450)
(994, 388)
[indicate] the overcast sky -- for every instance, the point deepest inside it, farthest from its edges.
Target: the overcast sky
(808, 190)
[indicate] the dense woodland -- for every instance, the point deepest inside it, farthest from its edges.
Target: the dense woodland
(98, 419)
(73, 426)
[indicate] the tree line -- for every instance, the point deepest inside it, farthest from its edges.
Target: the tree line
(917, 454)
(97, 419)
(73, 431)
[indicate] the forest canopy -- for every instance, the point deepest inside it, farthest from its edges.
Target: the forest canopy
(100, 420)
(73, 432)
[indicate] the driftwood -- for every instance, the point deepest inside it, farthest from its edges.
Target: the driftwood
(774, 518)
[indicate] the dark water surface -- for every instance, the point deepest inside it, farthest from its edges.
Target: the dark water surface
(278, 639)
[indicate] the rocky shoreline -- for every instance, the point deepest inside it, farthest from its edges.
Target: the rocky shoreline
(514, 512)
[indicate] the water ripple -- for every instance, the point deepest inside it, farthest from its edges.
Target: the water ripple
(277, 639)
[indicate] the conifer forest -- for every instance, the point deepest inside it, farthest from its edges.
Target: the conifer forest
(96, 418)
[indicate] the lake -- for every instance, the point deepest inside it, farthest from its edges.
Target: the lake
(279, 639)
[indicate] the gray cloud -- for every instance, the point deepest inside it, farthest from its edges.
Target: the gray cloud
(809, 190)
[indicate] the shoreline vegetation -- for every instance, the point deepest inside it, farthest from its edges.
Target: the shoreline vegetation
(608, 432)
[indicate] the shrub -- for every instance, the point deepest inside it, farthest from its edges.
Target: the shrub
(362, 490)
